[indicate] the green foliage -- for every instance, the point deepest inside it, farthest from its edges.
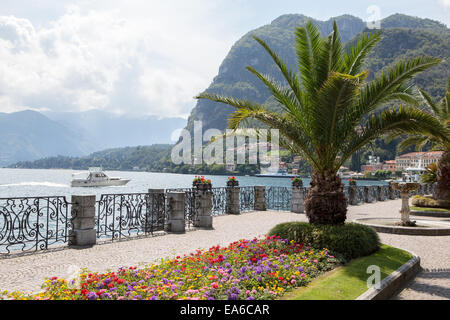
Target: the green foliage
(378, 174)
(350, 281)
(349, 241)
(430, 176)
(429, 202)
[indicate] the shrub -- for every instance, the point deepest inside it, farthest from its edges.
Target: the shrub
(348, 241)
(429, 202)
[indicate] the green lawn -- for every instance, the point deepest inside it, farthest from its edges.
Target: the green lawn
(349, 281)
(429, 209)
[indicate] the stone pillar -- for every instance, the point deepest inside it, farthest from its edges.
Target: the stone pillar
(298, 200)
(380, 193)
(83, 231)
(366, 194)
(405, 211)
(260, 198)
(203, 218)
(233, 205)
(353, 195)
(175, 212)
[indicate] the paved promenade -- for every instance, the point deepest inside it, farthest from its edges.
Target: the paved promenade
(27, 273)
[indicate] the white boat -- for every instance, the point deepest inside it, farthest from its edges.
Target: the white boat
(281, 173)
(97, 178)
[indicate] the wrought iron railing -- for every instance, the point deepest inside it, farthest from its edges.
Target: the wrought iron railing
(279, 198)
(129, 215)
(219, 201)
(247, 198)
(33, 223)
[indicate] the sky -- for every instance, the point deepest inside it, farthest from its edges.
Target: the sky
(143, 57)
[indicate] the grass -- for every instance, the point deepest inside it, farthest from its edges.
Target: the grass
(414, 208)
(349, 281)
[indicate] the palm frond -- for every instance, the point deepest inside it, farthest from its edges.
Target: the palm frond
(308, 47)
(405, 120)
(288, 73)
(391, 84)
(356, 55)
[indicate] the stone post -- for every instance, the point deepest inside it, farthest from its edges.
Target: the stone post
(380, 193)
(83, 232)
(260, 198)
(203, 218)
(232, 205)
(298, 200)
(391, 192)
(175, 212)
(352, 195)
(366, 194)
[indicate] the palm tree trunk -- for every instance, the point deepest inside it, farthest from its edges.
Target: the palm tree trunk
(443, 178)
(326, 202)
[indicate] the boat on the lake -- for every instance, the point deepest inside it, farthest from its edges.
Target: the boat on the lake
(97, 178)
(281, 173)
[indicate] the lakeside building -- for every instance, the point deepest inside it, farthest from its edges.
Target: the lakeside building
(416, 159)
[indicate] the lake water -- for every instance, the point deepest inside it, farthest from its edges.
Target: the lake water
(55, 182)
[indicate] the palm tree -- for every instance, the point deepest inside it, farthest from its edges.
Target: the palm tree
(441, 112)
(330, 111)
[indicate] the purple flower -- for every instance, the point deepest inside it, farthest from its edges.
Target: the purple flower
(233, 296)
(250, 298)
(92, 296)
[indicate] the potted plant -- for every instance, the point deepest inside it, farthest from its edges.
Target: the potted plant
(201, 183)
(297, 182)
(352, 182)
(232, 182)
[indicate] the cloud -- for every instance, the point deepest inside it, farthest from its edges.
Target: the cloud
(135, 57)
(445, 3)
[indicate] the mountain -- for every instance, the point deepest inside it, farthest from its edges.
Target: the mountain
(29, 135)
(156, 158)
(107, 130)
(128, 158)
(404, 36)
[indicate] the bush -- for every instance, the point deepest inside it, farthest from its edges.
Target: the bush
(348, 241)
(429, 202)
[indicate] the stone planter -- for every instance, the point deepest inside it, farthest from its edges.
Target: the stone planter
(297, 184)
(202, 186)
(232, 183)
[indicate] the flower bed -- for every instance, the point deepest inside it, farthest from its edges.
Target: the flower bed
(245, 269)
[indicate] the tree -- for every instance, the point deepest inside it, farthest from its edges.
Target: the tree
(330, 110)
(441, 112)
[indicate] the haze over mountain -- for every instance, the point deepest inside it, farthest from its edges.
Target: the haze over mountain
(107, 130)
(30, 135)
